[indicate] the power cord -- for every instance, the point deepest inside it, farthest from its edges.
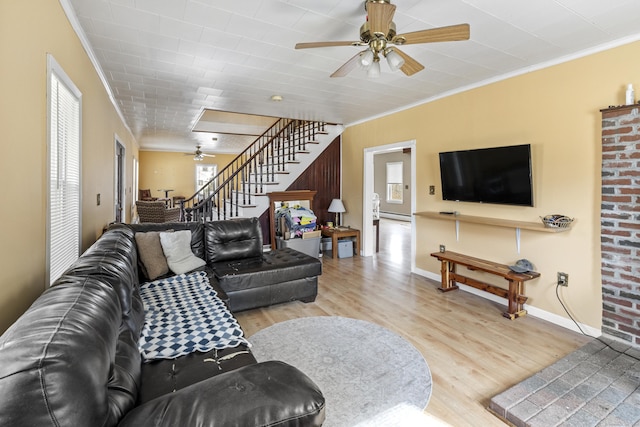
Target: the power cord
(583, 332)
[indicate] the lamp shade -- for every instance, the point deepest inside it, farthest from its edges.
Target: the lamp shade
(395, 60)
(374, 70)
(336, 206)
(366, 59)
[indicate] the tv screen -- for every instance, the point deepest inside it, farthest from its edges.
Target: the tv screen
(500, 175)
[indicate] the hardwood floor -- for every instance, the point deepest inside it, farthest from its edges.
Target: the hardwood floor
(473, 352)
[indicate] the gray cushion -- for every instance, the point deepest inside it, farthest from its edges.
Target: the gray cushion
(151, 254)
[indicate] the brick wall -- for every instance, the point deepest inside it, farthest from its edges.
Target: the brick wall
(620, 223)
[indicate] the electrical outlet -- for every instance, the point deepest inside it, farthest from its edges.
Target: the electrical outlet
(432, 190)
(98, 199)
(442, 248)
(563, 279)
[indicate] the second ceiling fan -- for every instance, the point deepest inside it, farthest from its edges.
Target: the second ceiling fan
(198, 155)
(378, 33)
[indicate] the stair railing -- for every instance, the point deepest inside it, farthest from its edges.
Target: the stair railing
(246, 176)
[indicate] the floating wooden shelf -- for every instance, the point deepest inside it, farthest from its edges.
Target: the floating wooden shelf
(496, 222)
(523, 225)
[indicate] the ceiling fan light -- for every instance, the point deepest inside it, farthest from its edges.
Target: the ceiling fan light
(374, 70)
(394, 60)
(366, 59)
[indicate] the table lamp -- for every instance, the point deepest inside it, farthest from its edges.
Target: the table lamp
(337, 207)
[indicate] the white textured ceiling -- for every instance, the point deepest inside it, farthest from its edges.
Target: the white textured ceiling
(168, 60)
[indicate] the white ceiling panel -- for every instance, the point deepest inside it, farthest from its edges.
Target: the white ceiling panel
(167, 60)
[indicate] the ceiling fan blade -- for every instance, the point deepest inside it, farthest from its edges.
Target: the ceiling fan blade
(348, 66)
(325, 44)
(380, 16)
(410, 66)
(442, 34)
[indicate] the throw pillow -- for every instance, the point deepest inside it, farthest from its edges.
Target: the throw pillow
(177, 249)
(151, 254)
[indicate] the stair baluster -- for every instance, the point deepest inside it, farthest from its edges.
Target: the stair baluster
(257, 166)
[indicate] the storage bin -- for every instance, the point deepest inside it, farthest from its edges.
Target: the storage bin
(326, 244)
(345, 248)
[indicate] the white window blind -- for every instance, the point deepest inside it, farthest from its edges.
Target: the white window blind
(394, 182)
(64, 172)
(394, 173)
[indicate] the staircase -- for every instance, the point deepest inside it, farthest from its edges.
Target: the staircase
(271, 163)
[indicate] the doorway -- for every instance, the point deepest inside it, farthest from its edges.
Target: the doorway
(368, 237)
(119, 196)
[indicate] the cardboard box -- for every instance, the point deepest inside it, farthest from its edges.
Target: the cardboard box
(311, 234)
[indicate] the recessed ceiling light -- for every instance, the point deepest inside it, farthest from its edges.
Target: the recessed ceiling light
(276, 98)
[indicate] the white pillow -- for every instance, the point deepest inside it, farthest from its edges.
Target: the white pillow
(177, 248)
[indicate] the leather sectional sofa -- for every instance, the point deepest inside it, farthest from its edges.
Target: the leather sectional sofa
(72, 358)
(250, 277)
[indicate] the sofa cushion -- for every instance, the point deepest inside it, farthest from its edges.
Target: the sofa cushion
(197, 238)
(276, 266)
(59, 359)
(196, 228)
(233, 239)
(165, 376)
(113, 260)
(177, 248)
(270, 393)
(151, 254)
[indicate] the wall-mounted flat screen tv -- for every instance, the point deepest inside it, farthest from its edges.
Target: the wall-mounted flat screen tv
(500, 175)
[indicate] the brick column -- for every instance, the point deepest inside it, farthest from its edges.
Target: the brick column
(620, 223)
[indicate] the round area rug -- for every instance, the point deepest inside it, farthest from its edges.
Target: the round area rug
(366, 372)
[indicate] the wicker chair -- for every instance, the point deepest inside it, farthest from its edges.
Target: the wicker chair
(146, 195)
(156, 211)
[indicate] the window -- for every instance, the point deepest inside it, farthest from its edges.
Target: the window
(204, 174)
(64, 124)
(135, 182)
(394, 182)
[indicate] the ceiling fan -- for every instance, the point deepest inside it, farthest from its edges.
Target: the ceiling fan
(378, 33)
(198, 154)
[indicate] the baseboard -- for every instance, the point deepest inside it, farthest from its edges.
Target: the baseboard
(398, 217)
(531, 310)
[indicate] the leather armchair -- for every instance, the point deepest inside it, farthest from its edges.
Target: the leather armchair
(156, 211)
(146, 195)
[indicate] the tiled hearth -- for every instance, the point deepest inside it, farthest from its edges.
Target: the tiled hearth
(593, 386)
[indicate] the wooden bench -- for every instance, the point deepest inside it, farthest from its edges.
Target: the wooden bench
(514, 295)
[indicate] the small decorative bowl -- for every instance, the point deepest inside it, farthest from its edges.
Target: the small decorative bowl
(556, 221)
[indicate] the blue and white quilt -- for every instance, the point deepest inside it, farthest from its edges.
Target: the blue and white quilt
(183, 314)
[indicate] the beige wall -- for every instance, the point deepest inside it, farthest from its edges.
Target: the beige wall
(556, 110)
(28, 31)
(176, 171)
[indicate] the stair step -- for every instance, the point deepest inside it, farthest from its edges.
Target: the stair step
(253, 183)
(279, 156)
(244, 206)
(269, 173)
